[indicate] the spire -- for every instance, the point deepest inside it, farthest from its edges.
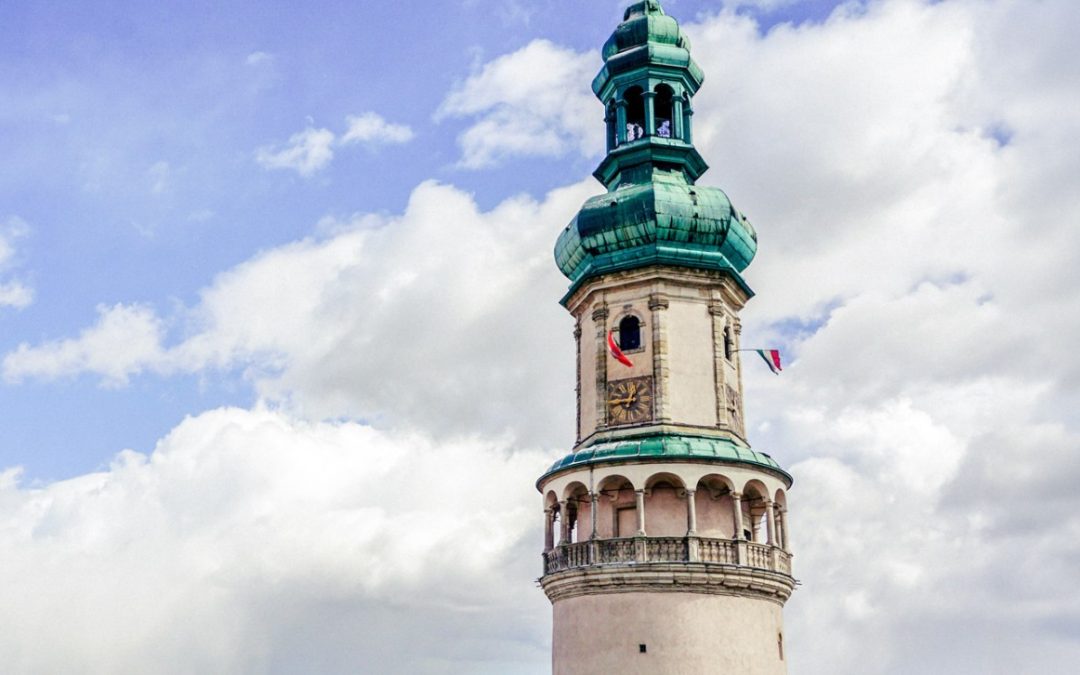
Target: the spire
(653, 213)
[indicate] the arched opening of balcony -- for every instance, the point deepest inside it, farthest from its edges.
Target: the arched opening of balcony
(579, 508)
(616, 510)
(665, 505)
(715, 507)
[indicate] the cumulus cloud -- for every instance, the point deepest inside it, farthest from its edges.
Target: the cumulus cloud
(533, 102)
(13, 292)
(917, 262)
(124, 340)
(403, 319)
(306, 152)
(248, 542)
(312, 150)
(372, 128)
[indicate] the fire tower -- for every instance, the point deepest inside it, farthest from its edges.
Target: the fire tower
(666, 534)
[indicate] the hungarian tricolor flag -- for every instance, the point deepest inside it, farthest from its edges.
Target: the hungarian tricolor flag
(616, 352)
(772, 359)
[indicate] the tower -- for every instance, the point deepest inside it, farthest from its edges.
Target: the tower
(666, 534)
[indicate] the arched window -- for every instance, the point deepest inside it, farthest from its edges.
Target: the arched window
(629, 333)
(635, 114)
(665, 119)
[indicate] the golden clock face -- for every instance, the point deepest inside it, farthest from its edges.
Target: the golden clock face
(630, 401)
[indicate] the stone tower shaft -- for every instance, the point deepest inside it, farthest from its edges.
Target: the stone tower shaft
(666, 535)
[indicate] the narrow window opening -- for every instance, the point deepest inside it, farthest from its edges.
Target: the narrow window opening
(729, 344)
(780, 644)
(665, 121)
(635, 114)
(642, 649)
(629, 333)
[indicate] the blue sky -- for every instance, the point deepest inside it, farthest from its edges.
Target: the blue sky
(269, 272)
(130, 146)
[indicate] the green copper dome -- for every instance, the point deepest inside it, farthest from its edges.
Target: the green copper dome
(653, 212)
(646, 35)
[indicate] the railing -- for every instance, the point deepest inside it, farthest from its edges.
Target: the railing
(637, 550)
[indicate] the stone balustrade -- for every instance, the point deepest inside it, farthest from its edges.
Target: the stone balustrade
(645, 550)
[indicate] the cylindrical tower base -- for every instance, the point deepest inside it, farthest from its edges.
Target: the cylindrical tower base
(671, 633)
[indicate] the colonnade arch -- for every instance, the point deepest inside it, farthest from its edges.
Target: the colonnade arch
(699, 502)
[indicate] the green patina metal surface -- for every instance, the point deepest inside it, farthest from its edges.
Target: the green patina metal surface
(667, 447)
(653, 212)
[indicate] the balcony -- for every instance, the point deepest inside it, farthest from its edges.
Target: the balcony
(646, 550)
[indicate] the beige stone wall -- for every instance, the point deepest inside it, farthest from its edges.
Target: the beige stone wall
(683, 314)
(690, 382)
(682, 633)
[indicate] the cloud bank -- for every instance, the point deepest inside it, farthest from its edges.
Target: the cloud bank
(913, 180)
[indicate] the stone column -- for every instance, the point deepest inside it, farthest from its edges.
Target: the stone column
(783, 523)
(592, 513)
(677, 117)
(564, 522)
(740, 543)
(549, 528)
(692, 548)
(620, 122)
(640, 494)
(650, 112)
(691, 514)
(770, 522)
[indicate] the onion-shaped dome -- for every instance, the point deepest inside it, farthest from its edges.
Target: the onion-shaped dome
(646, 36)
(656, 223)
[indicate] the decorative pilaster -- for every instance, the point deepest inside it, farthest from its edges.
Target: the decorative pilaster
(577, 380)
(719, 320)
(599, 317)
(661, 409)
(620, 122)
(640, 504)
(593, 508)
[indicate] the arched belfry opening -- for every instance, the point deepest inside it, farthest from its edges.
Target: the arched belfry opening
(630, 333)
(635, 114)
(665, 111)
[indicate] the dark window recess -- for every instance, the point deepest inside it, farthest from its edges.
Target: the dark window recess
(780, 644)
(729, 345)
(635, 114)
(664, 111)
(629, 333)
(642, 648)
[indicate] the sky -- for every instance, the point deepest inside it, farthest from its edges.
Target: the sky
(281, 354)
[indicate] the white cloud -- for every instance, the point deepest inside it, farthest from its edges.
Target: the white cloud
(307, 152)
(257, 58)
(14, 293)
(125, 339)
(402, 319)
(312, 150)
(922, 273)
(248, 542)
(371, 128)
(533, 102)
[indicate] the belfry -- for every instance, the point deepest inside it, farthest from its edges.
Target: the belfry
(666, 534)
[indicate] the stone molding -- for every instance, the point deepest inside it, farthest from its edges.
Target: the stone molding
(702, 578)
